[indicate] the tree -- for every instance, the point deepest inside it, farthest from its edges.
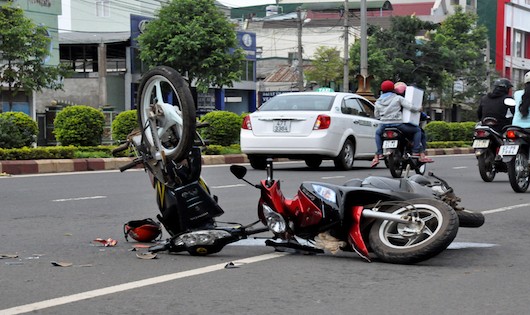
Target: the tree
(195, 38)
(23, 48)
(327, 66)
(445, 53)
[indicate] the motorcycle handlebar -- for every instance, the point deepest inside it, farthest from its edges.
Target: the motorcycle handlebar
(131, 164)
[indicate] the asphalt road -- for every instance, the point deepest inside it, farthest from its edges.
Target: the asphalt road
(49, 218)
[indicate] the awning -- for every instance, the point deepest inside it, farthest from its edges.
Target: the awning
(93, 37)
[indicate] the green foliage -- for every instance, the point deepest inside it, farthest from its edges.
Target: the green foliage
(437, 131)
(79, 125)
(123, 124)
(224, 127)
(193, 37)
(448, 52)
(24, 46)
(216, 149)
(448, 144)
(27, 127)
(38, 153)
(327, 66)
(10, 136)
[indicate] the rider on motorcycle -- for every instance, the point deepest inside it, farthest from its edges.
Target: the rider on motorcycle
(492, 104)
(388, 109)
(522, 104)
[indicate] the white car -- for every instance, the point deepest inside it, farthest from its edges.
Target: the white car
(311, 126)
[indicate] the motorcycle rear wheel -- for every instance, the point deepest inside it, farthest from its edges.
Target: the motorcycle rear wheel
(162, 91)
(395, 163)
(400, 243)
(485, 166)
(518, 172)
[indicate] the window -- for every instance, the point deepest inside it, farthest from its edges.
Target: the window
(103, 8)
(518, 43)
(351, 106)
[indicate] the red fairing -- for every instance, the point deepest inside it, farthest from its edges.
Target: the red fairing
(273, 196)
(356, 237)
(306, 212)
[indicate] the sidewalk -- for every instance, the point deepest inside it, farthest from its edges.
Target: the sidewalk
(97, 164)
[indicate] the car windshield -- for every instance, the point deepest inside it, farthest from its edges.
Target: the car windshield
(298, 103)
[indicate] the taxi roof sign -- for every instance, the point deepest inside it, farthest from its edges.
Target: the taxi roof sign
(324, 89)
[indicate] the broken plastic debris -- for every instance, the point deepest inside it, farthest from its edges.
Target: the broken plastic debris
(109, 242)
(147, 255)
(4, 256)
(231, 265)
(61, 264)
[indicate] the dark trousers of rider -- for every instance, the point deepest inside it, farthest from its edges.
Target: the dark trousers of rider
(407, 129)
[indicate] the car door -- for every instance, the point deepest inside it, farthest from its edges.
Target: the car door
(363, 124)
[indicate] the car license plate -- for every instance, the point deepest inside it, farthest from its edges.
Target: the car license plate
(481, 143)
(509, 149)
(390, 144)
(281, 126)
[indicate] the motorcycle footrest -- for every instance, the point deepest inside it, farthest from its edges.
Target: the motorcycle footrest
(292, 247)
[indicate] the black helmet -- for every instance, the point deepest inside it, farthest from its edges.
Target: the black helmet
(502, 83)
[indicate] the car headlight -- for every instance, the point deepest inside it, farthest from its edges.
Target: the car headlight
(200, 238)
(275, 222)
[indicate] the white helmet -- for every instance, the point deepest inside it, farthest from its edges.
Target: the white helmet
(527, 77)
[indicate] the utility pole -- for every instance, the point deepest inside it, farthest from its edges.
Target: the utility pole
(345, 79)
(364, 49)
(300, 65)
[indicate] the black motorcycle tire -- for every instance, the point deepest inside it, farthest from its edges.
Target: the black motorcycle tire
(389, 240)
(485, 168)
(395, 163)
(344, 161)
(519, 179)
(178, 141)
(257, 162)
(313, 162)
(470, 219)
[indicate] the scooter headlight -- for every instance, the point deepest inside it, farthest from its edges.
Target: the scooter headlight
(200, 238)
(275, 222)
(326, 193)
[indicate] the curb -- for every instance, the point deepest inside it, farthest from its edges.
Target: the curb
(21, 167)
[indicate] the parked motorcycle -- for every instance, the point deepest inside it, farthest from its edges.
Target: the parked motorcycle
(514, 152)
(397, 149)
(486, 144)
(398, 221)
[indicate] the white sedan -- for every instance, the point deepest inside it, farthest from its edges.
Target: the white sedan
(311, 126)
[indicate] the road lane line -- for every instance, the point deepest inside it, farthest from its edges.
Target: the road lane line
(131, 285)
(506, 208)
(80, 198)
(229, 186)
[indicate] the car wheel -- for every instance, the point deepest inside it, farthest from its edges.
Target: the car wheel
(344, 161)
(313, 162)
(257, 162)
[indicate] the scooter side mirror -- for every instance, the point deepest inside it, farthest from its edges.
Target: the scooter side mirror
(509, 102)
(238, 171)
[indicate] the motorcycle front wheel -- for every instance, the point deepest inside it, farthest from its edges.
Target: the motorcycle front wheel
(518, 172)
(395, 163)
(485, 166)
(434, 227)
(166, 114)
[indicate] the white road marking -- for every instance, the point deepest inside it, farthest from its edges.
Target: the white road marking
(332, 177)
(459, 167)
(80, 198)
(229, 186)
(506, 208)
(460, 245)
(131, 285)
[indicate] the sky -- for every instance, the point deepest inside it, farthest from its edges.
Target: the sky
(245, 3)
